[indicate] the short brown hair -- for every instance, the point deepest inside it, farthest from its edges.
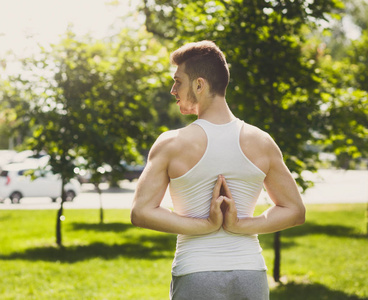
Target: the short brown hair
(204, 59)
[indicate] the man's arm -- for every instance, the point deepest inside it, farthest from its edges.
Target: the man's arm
(289, 209)
(146, 210)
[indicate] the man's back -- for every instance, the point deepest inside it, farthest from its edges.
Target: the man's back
(191, 195)
(186, 146)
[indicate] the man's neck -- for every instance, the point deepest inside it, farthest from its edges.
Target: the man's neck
(215, 110)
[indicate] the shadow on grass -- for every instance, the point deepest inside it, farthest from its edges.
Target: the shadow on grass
(266, 241)
(5, 217)
(141, 247)
(313, 291)
(105, 227)
(310, 228)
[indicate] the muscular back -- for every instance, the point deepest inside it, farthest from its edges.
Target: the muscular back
(188, 145)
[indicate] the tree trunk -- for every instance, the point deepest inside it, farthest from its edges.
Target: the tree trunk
(60, 215)
(97, 185)
(366, 220)
(277, 261)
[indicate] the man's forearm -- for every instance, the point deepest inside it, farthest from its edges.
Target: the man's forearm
(273, 219)
(148, 215)
(165, 220)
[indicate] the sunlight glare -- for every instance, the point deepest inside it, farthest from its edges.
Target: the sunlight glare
(24, 24)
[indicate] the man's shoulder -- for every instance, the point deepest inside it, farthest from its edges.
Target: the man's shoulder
(166, 140)
(172, 141)
(258, 146)
(172, 137)
(255, 133)
(259, 139)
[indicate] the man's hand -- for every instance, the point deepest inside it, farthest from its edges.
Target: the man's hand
(228, 208)
(216, 216)
(223, 210)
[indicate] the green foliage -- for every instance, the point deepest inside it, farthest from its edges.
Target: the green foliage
(91, 98)
(358, 55)
(110, 86)
(274, 84)
(343, 120)
(15, 106)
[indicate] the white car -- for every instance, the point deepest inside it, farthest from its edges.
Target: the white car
(6, 157)
(16, 184)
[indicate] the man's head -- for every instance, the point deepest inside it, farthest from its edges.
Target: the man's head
(204, 60)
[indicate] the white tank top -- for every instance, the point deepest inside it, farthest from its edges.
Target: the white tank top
(191, 194)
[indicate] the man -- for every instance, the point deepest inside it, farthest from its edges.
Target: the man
(215, 168)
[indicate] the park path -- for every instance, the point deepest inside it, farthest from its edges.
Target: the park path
(331, 186)
(334, 186)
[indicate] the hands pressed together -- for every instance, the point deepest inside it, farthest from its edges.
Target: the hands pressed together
(223, 210)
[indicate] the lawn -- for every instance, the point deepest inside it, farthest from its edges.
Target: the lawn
(327, 258)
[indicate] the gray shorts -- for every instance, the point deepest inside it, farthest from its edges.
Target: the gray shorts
(221, 285)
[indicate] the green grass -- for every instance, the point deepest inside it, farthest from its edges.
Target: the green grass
(327, 258)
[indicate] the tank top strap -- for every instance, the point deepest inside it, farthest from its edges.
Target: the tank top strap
(221, 132)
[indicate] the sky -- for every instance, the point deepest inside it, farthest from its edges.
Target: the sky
(24, 23)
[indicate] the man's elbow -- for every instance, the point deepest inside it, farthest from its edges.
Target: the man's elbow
(300, 215)
(136, 217)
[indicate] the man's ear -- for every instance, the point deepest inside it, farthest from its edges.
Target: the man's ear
(200, 84)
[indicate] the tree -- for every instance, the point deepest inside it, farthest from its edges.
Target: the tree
(119, 114)
(344, 121)
(93, 102)
(275, 82)
(55, 130)
(342, 66)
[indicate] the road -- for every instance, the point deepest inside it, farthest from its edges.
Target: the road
(331, 186)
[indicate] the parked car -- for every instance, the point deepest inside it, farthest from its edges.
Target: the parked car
(132, 171)
(26, 156)
(6, 157)
(15, 183)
